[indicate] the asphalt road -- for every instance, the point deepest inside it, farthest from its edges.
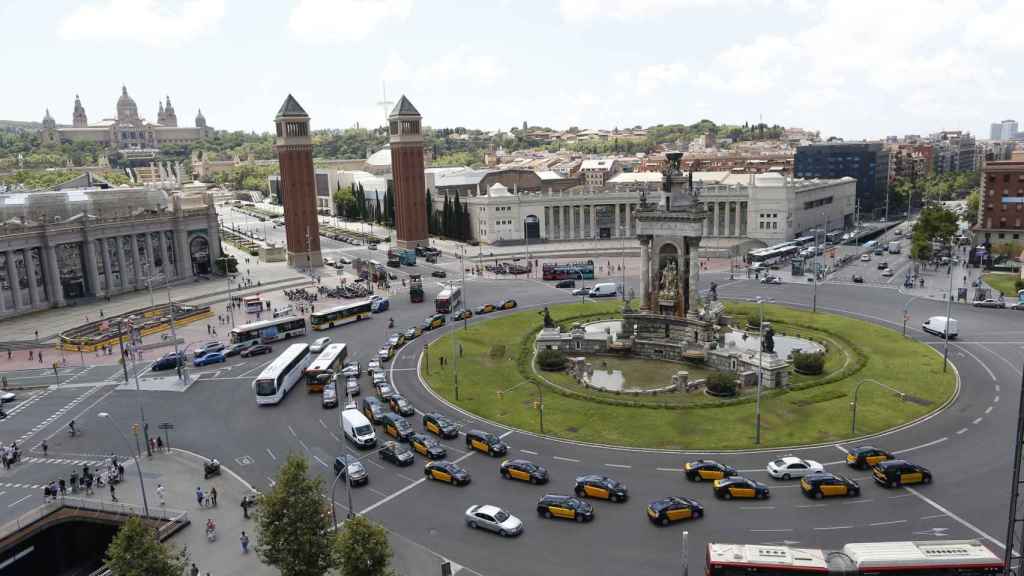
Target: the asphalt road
(968, 447)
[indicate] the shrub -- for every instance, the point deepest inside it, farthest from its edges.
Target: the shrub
(810, 363)
(1018, 284)
(551, 360)
(721, 383)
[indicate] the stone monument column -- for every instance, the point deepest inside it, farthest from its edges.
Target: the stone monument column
(693, 277)
(645, 273)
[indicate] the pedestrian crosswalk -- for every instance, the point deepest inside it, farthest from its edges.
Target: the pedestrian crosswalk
(63, 461)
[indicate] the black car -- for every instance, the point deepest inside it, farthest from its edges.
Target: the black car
(439, 424)
(439, 274)
(858, 279)
(566, 284)
(169, 361)
(707, 470)
(445, 471)
(256, 350)
(866, 456)
(397, 454)
(374, 409)
(354, 470)
(883, 265)
(561, 506)
(234, 349)
(740, 487)
(524, 470)
(892, 473)
(486, 442)
(396, 426)
(399, 405)
(427, 446)
(673, 509)
(597, 486)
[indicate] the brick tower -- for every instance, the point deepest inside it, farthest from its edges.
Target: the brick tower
(407, 170)
(298, 189)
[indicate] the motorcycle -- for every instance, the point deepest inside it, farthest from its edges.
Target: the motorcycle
(211, 533)
(211, 469)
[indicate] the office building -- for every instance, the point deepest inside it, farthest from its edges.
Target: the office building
(866, 162)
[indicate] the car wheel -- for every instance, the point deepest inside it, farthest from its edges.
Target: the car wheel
(854, 492)
(818, 495)
(502, 533)
(579, 492)
(533, 480)
(926, 479)
(615, 498)
(426, 473)
(546, 514)
(786, 476)
(472, 524)
(505, 475)
(727, 495)
(697, 514)
(579, 518)
(664, 522)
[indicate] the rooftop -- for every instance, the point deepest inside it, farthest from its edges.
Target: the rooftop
(291, 108)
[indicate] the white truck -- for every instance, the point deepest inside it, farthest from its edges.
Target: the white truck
(894, 247)
(357, 427)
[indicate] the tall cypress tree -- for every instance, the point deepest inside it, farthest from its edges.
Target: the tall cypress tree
(457, 211)
(430, 215)
(447, 223)
(377, 210)
(466, 228)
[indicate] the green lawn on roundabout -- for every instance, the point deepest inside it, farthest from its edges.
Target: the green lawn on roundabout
(497, 382)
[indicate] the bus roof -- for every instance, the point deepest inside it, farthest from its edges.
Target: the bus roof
(808, 560)
(342, 307)
(447, 292)
(263, 324)
(274, 368)
(327, 356)
(928, 553)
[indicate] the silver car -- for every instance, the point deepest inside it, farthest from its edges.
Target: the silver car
(494, 519)
(330, 396)
(352, 386)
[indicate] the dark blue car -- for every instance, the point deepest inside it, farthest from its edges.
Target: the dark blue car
(209, 358)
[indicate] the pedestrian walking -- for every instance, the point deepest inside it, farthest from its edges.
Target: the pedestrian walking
(4, 381)
(113, 495)
(213, 495)
(199, 496)
(193, 571)
(208, 329)
(45, 448)
(245, 542)
(62, 487)
(160, 494)
(159, 443)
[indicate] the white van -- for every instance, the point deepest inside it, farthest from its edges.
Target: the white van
(357, 427)
(605, 289)
(938, 325)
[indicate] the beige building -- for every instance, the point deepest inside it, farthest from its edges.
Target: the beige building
(127, 130)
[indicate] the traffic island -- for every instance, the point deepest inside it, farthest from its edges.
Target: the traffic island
(498, 380)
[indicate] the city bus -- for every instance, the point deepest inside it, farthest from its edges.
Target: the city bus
(448, 300)
(338, 315)
(773, 254)
(573, 271)
(252, 304)
(278, 378)
(269, 330)
(924, 558)
(324, 366)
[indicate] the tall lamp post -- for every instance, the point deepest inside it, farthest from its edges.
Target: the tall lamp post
(945, 331)
(760, 370)
(138, 457)
(853, 404)
(348, 490)
(135, 373)
(622, 260)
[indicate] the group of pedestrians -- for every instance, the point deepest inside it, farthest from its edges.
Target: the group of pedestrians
(108, 475)
(10, 455)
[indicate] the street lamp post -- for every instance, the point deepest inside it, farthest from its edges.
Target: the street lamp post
(348, 490)
(906, 313)
(138, 457)
(455, 355)
(622, 260)
(945, 335)
(853, 404)
(760, 372)
(135, 373)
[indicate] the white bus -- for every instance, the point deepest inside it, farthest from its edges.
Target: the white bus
(269, 330)
(279, 377)
(252, 304)
(338, 315)
(329, 362)
(448, 300)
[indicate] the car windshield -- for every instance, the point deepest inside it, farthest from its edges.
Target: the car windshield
(779, 463)
(363, 430)
(501, 516)
(573, 502)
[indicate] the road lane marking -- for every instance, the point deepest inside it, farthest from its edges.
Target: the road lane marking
(394, 495)
(19, 501)
(976, 359)
(988, 410)
(377, 492)
(528, 452)
(961, 431)
(564, 459)
(292, 430)
(669, 469)
(272, 457)
(322, 424)
(996, 400)
(618, 465)
(404, 477)
(841, 449)
(889, 523)
(336, 439)
(925, 445)
(811, 506)
(933, 516)
(833, 528)
(949, 513)
(304, 447)
(272, 481)
(757, 507)
(771, 529)
(317, 458)
(899, 496)
(997, 387)
(978, 420)
(859, 501)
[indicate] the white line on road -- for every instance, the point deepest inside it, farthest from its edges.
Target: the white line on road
(528, 452)
(564, 459)
(304, 447)
(899, 496)
(757, 507)
(889, 523)
(317, 458)
(618, 465)
(292, 430)
(333, 435)
(833, 528)
(859, 501)
(988, 410)
(18, 501)
(997, 387)
(925, 445)
(978, 420)
(961, 431)
(996, 399)
(274, 458)
(404, 477)
(502, 436)
(942, 509)
(933, 516)
(668, 469)
(322, 424)
(841, 449)
(771, 529)
(811, 506)
(272, 481)
(378, 492)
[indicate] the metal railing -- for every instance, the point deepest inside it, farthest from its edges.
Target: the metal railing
(171, 517)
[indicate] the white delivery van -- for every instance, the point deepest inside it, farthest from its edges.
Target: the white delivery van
(357, 427)
(603, 290)
(894, 247)
(938, 325)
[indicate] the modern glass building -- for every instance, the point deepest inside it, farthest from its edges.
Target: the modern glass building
(867, 162)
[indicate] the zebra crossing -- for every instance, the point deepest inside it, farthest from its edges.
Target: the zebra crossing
(40, 426)
(65, 461)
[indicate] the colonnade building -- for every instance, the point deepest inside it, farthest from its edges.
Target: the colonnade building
(59, 247)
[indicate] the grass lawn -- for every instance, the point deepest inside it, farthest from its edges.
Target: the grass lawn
(816, 414)
(1003, 282)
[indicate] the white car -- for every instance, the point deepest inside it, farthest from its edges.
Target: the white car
(7, 397)
(792, 467)
(888, 273)
(865, 257)
(352, 386)
(494, 519)
(319, 344)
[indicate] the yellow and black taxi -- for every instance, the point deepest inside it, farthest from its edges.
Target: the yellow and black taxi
(435, 321)
(445, 471)
(397, 454)
(396, 340)
(739, 487)
(464, 314)
(437, 423)
(518, 469)
(822, 484)
(507, 304)
(399, 405)
(396, 426)
(560, 506)
(892, 473)
(867, 456)
(486, 442)
(673, 509)
(707, 470)
(374, 409)
(597, 486)
(427, 446)
(484, 309)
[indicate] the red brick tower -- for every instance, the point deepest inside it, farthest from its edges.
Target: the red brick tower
(407, 170)
(298, 189)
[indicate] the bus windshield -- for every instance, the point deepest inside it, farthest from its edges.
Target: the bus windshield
(266, 387)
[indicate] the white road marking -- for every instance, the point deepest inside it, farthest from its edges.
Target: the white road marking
(925, 445)
(889, 523)
(669, 469)
(317, 458)
(841, 449)
(528, 452)
(899, 496)
(859, 501)
(272, 481)
(771, 529)
(304, 447)
(988, 410)
(18, 501)
(996, 399)
(377, 492)
(322, 424)
(274, 458)
(564, 459)
(292, 430)
(811, 506)
(618, 465)
(997, 387)
(336, 439)
(949, 513)
(833, 528)
(978, 420)
(404, 477)
(502, 436)
(978, 360)
(961, 431)
(933, 516)
(757, 507)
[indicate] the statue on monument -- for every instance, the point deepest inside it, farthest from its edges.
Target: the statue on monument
(548, 322)
(768, 341)
(669, 281)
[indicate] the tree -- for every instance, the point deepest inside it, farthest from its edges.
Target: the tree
(294, 524)
(973, 203)
(364, 548)
(135, 551)
(377, 212)
(457, 218)
(430, 215)
(345, 201)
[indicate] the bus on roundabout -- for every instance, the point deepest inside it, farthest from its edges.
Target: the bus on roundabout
(281, 375)
(324, 366)
(338, 315)
(269, 330)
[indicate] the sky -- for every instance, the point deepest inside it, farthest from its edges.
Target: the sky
(854, 69)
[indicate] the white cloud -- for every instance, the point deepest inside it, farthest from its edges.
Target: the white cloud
(145, 21)
(340, 21)
(650, 78)
(578, 11)
(464, 65)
